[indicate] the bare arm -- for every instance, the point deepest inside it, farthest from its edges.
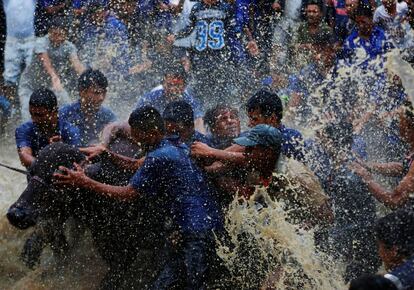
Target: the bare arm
(199, 125)
(26, 156)
(77, 64)
(393, 199)
(48, 66)
(232, 154)
(124, 162)
(78, 178)
(387, 169)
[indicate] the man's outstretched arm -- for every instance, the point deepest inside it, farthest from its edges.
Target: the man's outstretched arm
(78, 178)
(233, 154)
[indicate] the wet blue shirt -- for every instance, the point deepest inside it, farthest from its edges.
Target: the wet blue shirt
(292, 145)
(89, 131)
(376, 45)
(28, 135)
(158, 100)
(169, 173)
(113, 34)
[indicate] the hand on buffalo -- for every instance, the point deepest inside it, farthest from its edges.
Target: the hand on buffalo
(55, 139)
(66, 176)
(93, 151)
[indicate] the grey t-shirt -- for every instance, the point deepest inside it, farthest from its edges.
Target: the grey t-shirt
(60, 57)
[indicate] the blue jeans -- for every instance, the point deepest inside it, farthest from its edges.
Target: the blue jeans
(17, 54)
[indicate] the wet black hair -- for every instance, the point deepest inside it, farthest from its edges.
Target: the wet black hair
(318, 3)
(371, 282)
(364, 9)
(43, 98)
(177, 70)
(397, 230)
(90, 78)
(210, 117)
(179, 112)
(146, 118)
(58, 23)
(267, 102)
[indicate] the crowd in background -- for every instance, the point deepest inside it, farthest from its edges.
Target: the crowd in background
(194, 71)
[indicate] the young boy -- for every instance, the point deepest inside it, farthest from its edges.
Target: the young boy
(176, 191)
(223, 123)
(87, 113)
(64, 65)
(44, 128)
(173, 89)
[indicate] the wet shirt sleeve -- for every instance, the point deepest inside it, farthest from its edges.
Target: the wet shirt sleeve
(147, 179)
(24, 135)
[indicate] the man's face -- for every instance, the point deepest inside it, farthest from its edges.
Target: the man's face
(44, 118)
(174, 87)
(389, 3)
(227, 124)
(313, 14)
(365, 24)
(98, 17)
(92, 98)
(351, 6)
(57, 36)
(256, 118)
(173, 128)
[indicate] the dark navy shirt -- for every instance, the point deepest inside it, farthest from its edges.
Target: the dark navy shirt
(28, 135)
(158, 100)
(405, 275)
(169, 174)
(89, 130)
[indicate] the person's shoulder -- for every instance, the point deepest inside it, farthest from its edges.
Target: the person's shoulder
(379, 11)
(290, 132)
(25, 127)
(201, 138)
(105, 111)
(402, 7)
(68, 109)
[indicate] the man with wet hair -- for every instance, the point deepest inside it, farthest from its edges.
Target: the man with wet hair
(104, 42)
(87, 113)
(179, 122)
(44, 128)
(365, 33)
(314, 34)
(177, 192)
(223, 123)
(173, 89)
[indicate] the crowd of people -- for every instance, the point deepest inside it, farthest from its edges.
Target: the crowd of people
(188, 75)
